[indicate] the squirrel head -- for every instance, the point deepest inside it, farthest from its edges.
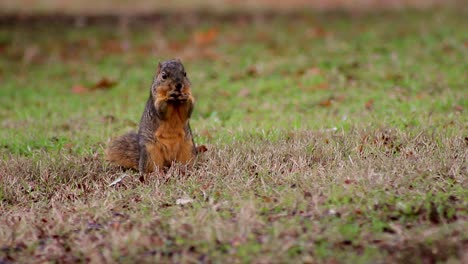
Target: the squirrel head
(170, 77)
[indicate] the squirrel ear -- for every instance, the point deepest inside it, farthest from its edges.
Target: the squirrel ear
(159, 68)
(178, 60)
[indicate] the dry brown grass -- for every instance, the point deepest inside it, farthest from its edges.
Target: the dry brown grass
(376, 194)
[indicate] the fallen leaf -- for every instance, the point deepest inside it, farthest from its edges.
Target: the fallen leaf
(299, 72)
(176, 45)
(317, 32)
(65, 127)
(203, 38)
(183, 201)
(394, 77)
(187, 228)
(113, 47)
(326, 103)
(30, 54)
(68, 146)
(322, 86)
(369, 104)
(210, 54)
(79, 89)
(252, 71)
(315, 87)
(267, 199)
(314, 71)
(409, 154)
(339, 98)
(237, 76)
(244, 92)
(202, 149)
(458, 108)
(115, 225)
(348, 181)
(157, 241)
(421, 95)
(3, 47)
(224, 93)
(103, 84)
(237, 241)
(361, 148)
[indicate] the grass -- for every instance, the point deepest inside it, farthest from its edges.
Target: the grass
(332, 138)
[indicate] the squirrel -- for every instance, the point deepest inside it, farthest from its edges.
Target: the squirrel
(164, 135)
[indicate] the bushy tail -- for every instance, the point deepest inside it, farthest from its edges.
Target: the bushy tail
(124, 151)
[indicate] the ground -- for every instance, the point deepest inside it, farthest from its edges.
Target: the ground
(332, 137)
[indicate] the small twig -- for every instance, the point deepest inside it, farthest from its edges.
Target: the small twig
(118, 180)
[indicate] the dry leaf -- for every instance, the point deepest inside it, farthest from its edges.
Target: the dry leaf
(202, 149)
(458, 108)
(421, 95)
(104, 83)
(322, 86)
(157, 241)
(68, 146)
(183, 201)
(176, 45)
(244, 92)
(3, 48)
(204, 38)
(237, 241)
(267, 199)
(314, 71)
(79, 89)
(369, 104)
(326, 103)
(252, 71)
(30, 53)
(224, 93)
(320, 31)
(348, 181)
(315, 87)
(115, 225)
(113, 47)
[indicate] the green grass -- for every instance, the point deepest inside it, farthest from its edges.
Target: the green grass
(331, 138)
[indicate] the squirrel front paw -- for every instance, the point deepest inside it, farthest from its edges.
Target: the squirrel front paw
(177, 96)
(183, 97)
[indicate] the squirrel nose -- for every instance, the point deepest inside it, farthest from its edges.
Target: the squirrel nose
(178, 86)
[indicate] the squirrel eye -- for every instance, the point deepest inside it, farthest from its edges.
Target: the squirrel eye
(164, 76)
(185, 74)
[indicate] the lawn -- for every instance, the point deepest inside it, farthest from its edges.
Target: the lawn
(332, 137)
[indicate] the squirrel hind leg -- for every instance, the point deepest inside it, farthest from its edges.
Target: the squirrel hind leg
(124, 151)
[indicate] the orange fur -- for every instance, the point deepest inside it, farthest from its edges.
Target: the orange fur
(162, 95)
(172, 143)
